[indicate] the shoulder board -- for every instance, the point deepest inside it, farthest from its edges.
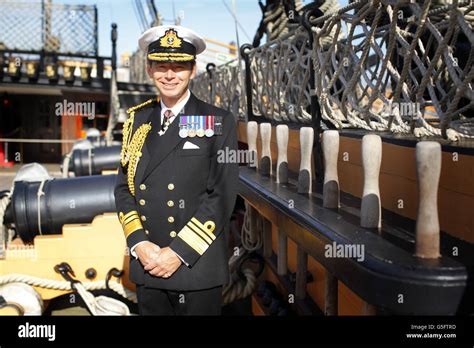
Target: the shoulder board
(142, 105)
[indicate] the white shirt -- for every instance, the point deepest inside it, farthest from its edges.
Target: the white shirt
(175, 110)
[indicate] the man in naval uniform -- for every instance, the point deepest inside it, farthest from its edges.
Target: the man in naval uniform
(174, 193)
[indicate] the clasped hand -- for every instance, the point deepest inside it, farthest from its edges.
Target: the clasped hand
(159, 262)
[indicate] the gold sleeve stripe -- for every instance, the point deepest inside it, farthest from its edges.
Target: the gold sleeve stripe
(199, 232)
(193, 240)
(207, 227)
(132, 227)
(130, 218)
(130, 213)
(130, 222)
(197, 228)
(124, 216)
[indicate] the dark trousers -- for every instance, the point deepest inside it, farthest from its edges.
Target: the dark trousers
(153, 301)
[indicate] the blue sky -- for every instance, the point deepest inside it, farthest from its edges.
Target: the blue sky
(210, 18)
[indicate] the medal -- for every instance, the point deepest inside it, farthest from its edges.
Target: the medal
(209, 126)
(183, 131)
(200, 131)
(192, 130)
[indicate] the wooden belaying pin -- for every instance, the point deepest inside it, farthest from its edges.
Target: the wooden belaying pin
(428, 171)
(331, 181)
(305, 176)
(371, 211)
(265, 166)
(252, 133)
(282, 162)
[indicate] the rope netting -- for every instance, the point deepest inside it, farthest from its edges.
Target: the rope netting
(280, 78)
(34, 26)
(228, 90)
(398, 66)
(379, 65)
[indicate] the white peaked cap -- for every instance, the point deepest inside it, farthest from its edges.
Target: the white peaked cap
(154, 34)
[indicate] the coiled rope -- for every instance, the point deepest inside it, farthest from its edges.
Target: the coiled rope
(243, 280)
(100, 305)
(65, 285)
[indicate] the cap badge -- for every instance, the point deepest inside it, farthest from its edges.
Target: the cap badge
(170, 39)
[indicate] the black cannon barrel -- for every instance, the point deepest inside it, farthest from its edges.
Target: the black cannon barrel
(65, 201)
(94, 161)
